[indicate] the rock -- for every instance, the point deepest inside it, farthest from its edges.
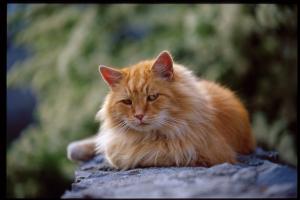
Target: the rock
(255, 175)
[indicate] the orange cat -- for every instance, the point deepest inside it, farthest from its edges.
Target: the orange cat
(158, 113)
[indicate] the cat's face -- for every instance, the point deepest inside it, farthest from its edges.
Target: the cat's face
(141, 98)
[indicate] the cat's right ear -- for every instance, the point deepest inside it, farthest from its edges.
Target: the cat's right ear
(110, 76)
(163, 66)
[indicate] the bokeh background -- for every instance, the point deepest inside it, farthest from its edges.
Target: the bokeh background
(54, 89)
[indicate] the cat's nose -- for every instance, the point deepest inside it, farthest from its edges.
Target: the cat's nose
(140, 116)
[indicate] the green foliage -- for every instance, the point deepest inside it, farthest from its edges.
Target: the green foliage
(250, 48)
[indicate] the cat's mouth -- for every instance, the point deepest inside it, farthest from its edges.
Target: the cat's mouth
(143, 124)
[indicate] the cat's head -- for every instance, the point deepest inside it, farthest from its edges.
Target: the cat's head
(142, 96)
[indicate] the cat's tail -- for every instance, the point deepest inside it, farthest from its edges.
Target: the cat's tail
(82, 150)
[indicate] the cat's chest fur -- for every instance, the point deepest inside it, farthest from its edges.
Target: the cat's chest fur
(134, 149)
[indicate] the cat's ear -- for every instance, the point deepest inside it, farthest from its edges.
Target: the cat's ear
(110, 76)
(163, 65)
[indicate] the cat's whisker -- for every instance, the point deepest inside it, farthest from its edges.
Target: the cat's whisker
(121, 126)
(171, 125)
(177, 121)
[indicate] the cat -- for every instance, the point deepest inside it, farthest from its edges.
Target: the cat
(158, 113)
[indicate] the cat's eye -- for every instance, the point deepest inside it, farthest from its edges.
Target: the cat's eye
(127, 101)
(152, 97)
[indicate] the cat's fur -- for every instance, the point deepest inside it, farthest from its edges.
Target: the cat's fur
(190, 122)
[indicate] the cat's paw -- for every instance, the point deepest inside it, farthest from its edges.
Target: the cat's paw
(105, 166)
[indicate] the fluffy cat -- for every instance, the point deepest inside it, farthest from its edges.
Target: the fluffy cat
(158, 113)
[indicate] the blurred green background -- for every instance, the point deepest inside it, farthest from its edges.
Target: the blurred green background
(250, 48)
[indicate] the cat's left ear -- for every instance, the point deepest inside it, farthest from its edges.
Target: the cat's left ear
(163, 66)
(110, 76)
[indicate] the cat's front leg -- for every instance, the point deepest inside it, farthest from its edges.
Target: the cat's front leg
(82, 150)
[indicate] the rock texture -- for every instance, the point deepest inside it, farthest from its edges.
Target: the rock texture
(256, 175)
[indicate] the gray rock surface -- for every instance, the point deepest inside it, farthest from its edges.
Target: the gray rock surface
(256, 175)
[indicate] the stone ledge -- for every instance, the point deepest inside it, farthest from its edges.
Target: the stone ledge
(256, 175)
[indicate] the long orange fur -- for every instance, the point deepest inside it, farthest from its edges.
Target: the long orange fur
(193, 122)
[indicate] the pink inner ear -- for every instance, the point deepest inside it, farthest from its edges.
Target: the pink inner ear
(111, 76)
(163, 65)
